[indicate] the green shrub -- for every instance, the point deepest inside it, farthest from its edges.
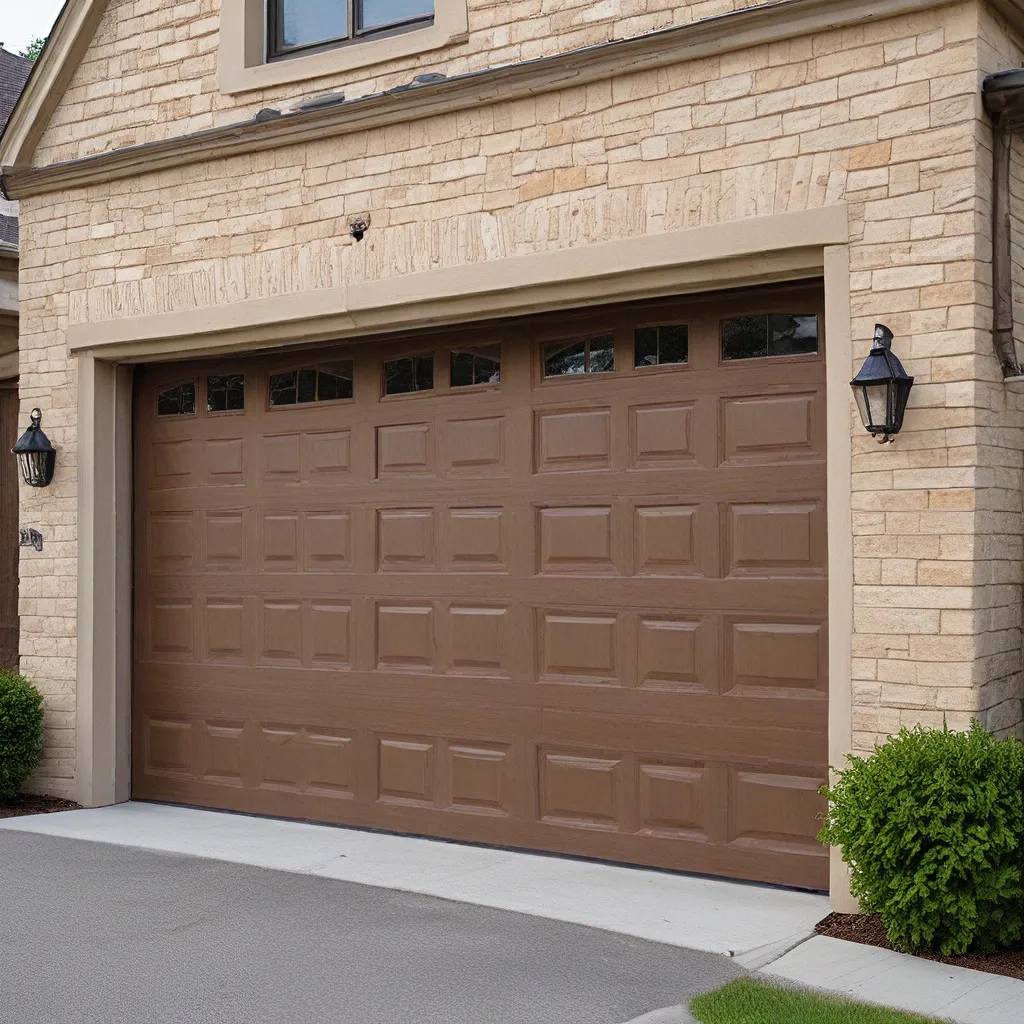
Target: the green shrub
(21, 731)
(932, 826)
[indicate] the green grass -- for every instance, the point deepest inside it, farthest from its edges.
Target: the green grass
(747, 1002)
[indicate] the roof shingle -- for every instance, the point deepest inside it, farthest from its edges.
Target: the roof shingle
(14, 72)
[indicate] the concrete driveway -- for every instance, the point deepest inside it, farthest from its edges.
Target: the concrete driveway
(97, 934)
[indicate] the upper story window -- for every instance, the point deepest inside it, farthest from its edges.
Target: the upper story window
(296, 25)
(266, 44)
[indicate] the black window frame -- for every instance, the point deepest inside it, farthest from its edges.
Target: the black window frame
(227, 391)
(276, 50)
(417, 359)
(739, 359)
(478, 353)
(167, 389)
(659, 326)
(327, 367)
(586, 340)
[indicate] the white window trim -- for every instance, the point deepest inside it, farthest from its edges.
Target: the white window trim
(243, 65)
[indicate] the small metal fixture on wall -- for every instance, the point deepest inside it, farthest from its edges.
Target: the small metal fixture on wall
(36, 456)
(882, 389)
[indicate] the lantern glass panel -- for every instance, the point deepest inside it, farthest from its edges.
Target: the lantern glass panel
(878, 404)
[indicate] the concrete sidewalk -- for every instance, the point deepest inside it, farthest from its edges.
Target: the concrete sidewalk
(909, 983)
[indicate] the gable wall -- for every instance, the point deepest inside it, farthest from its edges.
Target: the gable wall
(151, 72)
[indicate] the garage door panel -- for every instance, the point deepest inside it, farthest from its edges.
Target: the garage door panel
(334, 696)
(585, 614)
(314, 760)
(475, 448)
(772, 428)
(406, 450)
(775, 538)
(716, 742)
(753, 595)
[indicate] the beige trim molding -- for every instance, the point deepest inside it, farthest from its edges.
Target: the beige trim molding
(9, 366)
(754, 26)
(1011, 10)
(839, 404)
(69, 39)
(242, 64)
(755, 250)
(104, 681)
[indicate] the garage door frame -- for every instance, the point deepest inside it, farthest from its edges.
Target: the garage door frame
(755, 251)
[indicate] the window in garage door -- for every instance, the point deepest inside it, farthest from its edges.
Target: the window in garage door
(558, 583)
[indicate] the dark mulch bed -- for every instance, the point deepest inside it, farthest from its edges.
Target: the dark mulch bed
(868, 930)
(28, 804)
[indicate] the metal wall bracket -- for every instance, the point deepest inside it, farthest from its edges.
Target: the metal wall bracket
(32, 539)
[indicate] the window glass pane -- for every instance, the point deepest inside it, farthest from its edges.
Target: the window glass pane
(177, 401)
(335, 382)
(462, 369)
(378, 13)
(424, 373)
(225, 394)
(282, 389)
(645, 346)
(402, 376)
(561, 359)
(746, 337)
(673, 344)
(793, 335)
(476, 366)
(657, 346)
(602, 354)
(305, 22)
(306, 387)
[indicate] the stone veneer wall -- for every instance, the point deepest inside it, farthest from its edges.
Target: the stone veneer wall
(884, 117)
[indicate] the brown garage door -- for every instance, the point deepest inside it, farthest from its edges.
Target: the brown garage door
(557, 583)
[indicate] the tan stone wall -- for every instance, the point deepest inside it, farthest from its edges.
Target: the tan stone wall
(152, 70)
(884, 117)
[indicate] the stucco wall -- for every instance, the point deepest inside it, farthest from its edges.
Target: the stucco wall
(884, 117)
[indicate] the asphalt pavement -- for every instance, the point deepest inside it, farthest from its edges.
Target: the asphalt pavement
(92, 933)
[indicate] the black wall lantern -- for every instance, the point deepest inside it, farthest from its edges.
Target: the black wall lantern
(882, 389)
(36, 456)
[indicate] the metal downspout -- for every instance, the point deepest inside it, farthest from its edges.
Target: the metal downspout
(1003, 95)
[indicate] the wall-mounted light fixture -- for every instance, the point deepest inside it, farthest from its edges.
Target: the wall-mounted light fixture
(882, 389)
(36, 456)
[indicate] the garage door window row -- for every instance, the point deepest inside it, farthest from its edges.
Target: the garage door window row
(746, 337)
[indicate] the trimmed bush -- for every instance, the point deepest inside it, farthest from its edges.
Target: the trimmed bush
(932, 826)
(21, 732)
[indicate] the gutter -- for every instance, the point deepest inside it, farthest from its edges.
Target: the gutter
(1003, 96)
